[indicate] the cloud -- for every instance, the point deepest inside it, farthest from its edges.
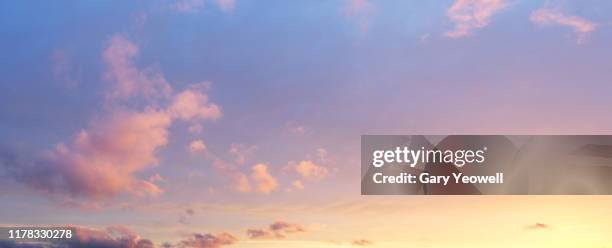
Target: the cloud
(548, 16)
(265, 182)
(309, 170)
(196, 146)
(127, 79)
(208, 240)
(241, 152)
(276, 230)
(103, 159)
(468, 15)
(361, 242)
(111, 237)
(538, 226)
(192, 104)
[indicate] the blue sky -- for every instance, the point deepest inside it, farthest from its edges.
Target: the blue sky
(296, 84)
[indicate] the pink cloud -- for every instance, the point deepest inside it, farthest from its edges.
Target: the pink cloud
(547, 16)
(468, 15)
(127, 79)
(192, 104)
(103, 159)
(265, 182)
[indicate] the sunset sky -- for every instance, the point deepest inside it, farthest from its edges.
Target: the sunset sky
(214, 123)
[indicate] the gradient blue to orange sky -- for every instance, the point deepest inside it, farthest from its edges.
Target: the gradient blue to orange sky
(214, 123)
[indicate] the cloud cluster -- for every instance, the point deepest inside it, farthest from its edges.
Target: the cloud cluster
(309, 170)
(468, 15)
(102, 160)
(276, 230)
(208, 240)
(122, 237)
(549, 16)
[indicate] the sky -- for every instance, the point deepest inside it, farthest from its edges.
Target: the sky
(214, 123)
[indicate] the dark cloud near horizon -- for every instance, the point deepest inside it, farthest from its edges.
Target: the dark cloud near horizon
(538, 226)
(276, 230)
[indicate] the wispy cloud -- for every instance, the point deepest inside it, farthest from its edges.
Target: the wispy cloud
(549, 16)
(362, 242)
(468, 15)
(127, 79)
(538, 226)
(241, 152)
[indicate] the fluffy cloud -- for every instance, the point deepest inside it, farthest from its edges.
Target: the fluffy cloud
(538, 226)
(468, 15)
(264, 181)
(103, 159)
(192, 104)
(362, 242)
(310, 170)
(547, 16)
(208, 240)
(276, 230)
(196, 146)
